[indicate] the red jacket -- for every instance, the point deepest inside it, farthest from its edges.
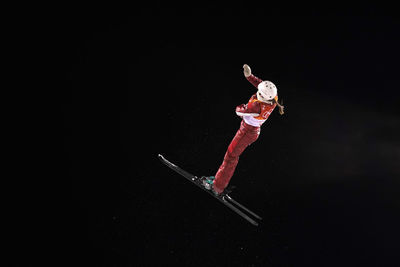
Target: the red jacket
(255, 112)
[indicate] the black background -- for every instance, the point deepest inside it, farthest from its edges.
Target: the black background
(158, 79)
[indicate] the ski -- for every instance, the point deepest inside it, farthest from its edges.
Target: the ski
(243, 207)
(223, 198)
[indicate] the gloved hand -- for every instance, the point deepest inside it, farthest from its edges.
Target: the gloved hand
(246, 70)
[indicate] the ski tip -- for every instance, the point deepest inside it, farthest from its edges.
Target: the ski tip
(160, 156)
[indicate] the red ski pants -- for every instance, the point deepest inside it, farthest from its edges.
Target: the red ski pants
(246, 135)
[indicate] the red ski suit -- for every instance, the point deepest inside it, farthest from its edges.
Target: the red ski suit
(254, 114)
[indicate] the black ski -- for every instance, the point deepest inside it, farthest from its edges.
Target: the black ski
(223, 198)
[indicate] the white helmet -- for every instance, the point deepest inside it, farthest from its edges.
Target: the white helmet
(266, 91)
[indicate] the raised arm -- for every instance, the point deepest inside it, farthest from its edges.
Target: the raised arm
(250, 77)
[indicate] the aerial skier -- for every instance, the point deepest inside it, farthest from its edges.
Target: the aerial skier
(253, 114)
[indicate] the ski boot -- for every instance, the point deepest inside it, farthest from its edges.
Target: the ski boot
(207, 182)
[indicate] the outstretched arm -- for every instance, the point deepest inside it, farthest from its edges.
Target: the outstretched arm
(250, 77)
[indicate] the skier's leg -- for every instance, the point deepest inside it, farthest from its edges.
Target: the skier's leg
(243, 138)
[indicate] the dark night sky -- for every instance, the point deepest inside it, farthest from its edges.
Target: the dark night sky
(325, 176)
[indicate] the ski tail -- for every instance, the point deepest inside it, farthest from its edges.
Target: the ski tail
(239, 212)
(243, 207)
